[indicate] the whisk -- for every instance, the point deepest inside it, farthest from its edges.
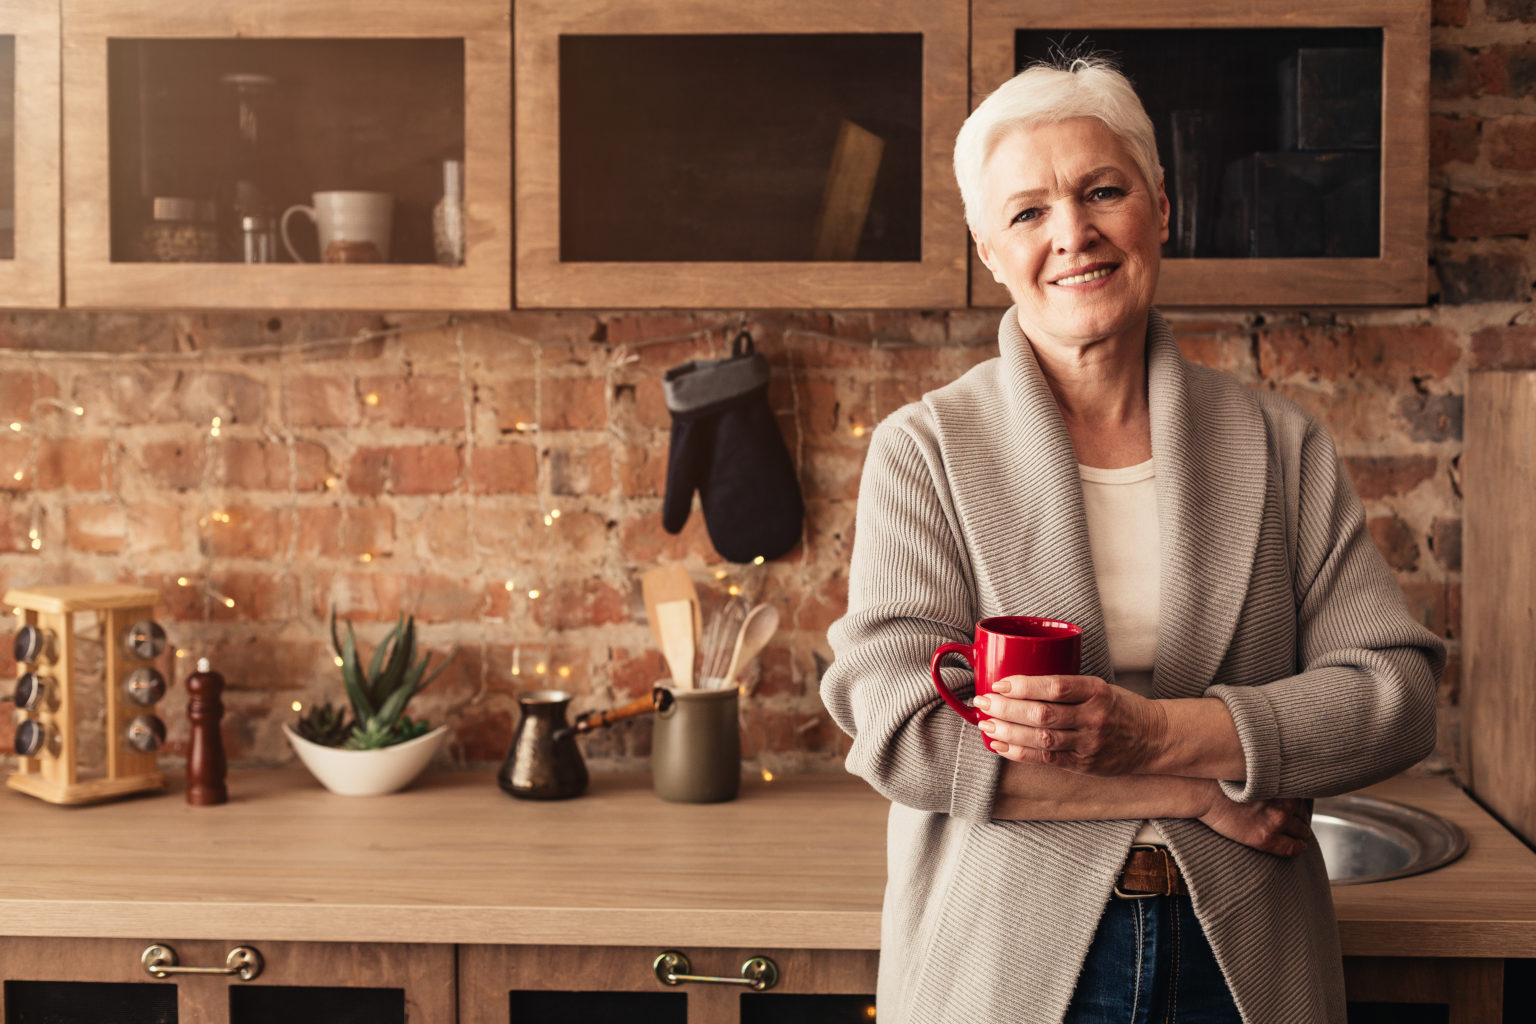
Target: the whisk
(720, 641)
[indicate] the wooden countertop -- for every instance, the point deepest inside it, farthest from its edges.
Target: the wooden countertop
(798, 862)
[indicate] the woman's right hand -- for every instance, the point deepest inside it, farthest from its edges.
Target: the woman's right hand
(1282, 827)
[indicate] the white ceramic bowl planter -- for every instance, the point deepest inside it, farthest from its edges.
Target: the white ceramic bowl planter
(367, 772)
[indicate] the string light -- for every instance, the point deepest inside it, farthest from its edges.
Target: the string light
(565, 671)
(720, 574)
(758, 560)
(16, 426)
(16, 475)
(733, 590)
(229, 602)
(372, 398)
(181, 652)
(510, 585)
(533, 595)
(767, 775)
(540, 668)
(330, 483)
(182, 581)
(365, 557)
(339, 662)
(297, 706)
(214, 429)
(858, 430)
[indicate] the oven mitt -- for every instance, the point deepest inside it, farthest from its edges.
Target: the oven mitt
(726, 445)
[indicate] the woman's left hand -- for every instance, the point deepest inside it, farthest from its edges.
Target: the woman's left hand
(1080, 723)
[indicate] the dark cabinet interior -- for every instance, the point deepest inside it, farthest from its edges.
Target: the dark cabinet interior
(89, 1002)
(253, 126)
(720, 147)
(293, 1004)
(1283, 159)
(538, 1007)
(768, 1008)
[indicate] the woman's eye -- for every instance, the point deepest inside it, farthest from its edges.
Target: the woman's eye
(1026, 215)
(1106, 192)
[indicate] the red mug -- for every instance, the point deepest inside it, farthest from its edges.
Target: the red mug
(1011, 645)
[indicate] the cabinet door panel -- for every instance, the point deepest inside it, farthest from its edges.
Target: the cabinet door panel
(89, 1002)
(29, 154)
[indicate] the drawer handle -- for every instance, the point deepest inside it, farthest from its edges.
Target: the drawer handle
(160, 961)
(672, 968)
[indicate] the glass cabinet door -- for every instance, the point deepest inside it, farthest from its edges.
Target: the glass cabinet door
(89, 1002)
(29, 154)
(289, 154)
(1293, 154)
(713, 154)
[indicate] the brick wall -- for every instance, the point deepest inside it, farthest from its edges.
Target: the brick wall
(379, 464)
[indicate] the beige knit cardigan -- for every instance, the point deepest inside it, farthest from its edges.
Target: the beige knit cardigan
(1273, 599)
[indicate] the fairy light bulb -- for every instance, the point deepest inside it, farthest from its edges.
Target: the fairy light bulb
(182, 581)
(767, 775)
(720, 574)
(338, 660)
(16, 475)
(540, 668)
(565, 671)
(78, 410)
(554, 513)
(16, 426)
(758, 560)
(533, 595)
(365, 557)
(229, 602)
(511, 585)
(297, 706)
(858, 430)
(372, 398)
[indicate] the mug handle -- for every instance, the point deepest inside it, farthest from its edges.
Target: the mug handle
(964, 650)
(308, 211)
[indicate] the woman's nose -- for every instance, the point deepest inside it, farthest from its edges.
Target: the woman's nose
(1074, 229)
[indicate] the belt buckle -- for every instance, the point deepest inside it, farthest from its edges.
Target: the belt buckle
(1168, 865)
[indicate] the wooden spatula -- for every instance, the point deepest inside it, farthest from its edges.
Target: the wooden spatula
(669, 583)
(675, 621)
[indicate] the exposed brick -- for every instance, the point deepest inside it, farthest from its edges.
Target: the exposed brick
(1432, 417)
(368, 471)
(1504, 348)
(251, 532)
(1492, 212)
(261, 465)
(1226, 352)
(581, 471)
(320, 402)
(444, 531)
(770, 730)
(503, 469)
(259, 597)
(1510, 143)
(1451, 13)
(360, 595)
(100, 527)
(154, 527)
(579, 603)
(266, 663)
(232, 397)
(1380, 476)
(644, 542)
(1453, 140)
(78, 464)
(1383, 352)
(1510, 10)
(485, 736)
(1453, 72)
(1483, 277)
(642, 471)
(1445, 542)
(1427, 603)
(433, 403)
(632, 672)
(574, 404)
(437, 598)
(1507, 70)
(424, 468)
(173, 465)
(1397, 542)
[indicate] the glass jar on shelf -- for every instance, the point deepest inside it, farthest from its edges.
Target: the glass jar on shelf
(180, 230)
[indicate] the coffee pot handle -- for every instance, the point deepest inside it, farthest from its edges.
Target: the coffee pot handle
(308, 211)
(965, 651)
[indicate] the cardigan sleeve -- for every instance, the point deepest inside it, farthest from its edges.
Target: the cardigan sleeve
(907, 593)
(1362, 706)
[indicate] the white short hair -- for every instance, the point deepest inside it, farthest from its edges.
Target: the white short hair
(1046, 94)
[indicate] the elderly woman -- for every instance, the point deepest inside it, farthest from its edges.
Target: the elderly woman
(1137, 847)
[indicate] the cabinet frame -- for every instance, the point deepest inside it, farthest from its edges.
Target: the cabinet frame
(543, 280)
(425, 971)
(31, 279)
(1397, 276)
(93, 280)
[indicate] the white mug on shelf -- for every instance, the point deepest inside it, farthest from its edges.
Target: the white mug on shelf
(353, 226)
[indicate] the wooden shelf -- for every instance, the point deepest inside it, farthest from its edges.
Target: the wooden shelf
(676, 153)
(29, 154)
(371, 97)
(1395, 274)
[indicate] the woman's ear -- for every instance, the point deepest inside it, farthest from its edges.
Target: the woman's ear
(1163, 207)
(986, 257)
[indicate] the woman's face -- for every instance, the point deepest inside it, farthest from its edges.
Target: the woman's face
(1073, 231)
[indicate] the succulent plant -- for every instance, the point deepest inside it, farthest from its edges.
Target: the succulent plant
(325, 724)
(379, 696)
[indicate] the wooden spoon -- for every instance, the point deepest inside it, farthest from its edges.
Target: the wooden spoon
(675, 620)
(756, 630)
(668, 583)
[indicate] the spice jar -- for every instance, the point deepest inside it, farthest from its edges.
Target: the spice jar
(180, 231)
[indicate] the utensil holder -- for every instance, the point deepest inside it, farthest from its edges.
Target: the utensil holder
(696, 748)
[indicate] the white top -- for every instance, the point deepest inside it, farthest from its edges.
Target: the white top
(1122, 532)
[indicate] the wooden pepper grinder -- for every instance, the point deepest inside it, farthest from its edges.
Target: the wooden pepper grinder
(205, 757)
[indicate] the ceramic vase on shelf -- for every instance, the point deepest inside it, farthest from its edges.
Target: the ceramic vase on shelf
(448, 217)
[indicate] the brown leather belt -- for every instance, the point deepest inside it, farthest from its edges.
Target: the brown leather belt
(1149, 871)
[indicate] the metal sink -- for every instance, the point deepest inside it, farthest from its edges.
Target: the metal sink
(1364, 839)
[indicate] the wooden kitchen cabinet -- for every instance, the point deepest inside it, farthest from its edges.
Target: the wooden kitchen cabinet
(1294, 138)
(705, 153)
(231, 108)
(29, 154)
(84, 981)
(553, 984)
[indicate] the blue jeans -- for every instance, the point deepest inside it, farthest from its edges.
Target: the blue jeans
(1150, 963)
